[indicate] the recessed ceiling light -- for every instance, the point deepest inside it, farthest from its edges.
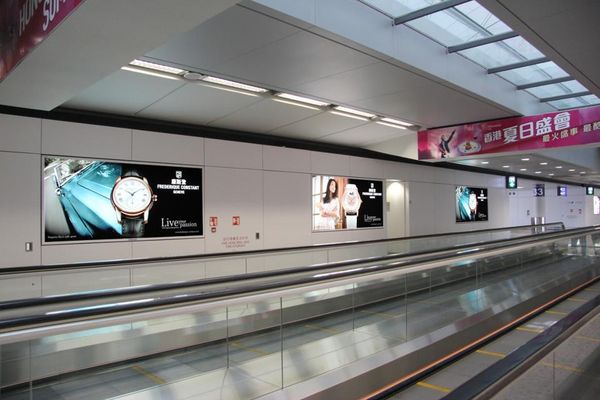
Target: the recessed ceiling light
(537, 172)
(582, 172)
(543, 163)
(390, 125)
(572, 170)
(485, 162)
(523, 169)
(550, 174)
(228, 89)
(301, 99)
(157, 67)
(293, 103)
(558, 167)
(233, 84)
(151, 73)
(525, 159)
(506, 166)
(348, 115)
(353, 111)
(395, 121)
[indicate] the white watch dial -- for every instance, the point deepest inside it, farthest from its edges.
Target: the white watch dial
(132, 195)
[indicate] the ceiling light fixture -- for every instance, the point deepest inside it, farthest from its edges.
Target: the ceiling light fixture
(485, 162)
(537, 172)
(543, 163)
(348, 115)
(525, 159)
(558, 167)
(301, 99)
(233, 84)
(230, 90)
(395, 121)
(582, 172)
(551, 174)
(293, 103)
(157, 67)
(390, 125)
(151, 73)
(523, 169)
(355, 112)
(572, 170)
(506, 166)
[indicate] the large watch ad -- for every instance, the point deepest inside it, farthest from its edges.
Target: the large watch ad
(471, 204)
(97, 200)
(340, 203)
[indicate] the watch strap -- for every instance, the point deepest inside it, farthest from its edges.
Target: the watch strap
(133, 227)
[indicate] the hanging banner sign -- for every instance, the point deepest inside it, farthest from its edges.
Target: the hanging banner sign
(544, 131)
(26, 23)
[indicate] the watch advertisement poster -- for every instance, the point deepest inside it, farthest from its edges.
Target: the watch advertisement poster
(471, 204)
(97, 200)
(340, 203)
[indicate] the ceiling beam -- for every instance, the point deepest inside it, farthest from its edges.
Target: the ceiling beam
(544, 83)
(565, 96)
(427, 11)
(520, 64)
(482, 42)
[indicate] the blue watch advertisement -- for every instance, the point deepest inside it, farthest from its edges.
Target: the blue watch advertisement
(88, 199)
(471, 204)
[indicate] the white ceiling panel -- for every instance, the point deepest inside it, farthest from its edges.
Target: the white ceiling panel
(365, 135)
(123, 93)
(197, 104)
(230, 34)
(362, 83)
(301, 57)
(264, 116)
(433, 105)
(320, 125)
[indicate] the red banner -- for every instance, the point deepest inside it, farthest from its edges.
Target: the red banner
(544, 131)
(26, 23)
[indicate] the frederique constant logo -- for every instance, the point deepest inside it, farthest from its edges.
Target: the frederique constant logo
(178, 174)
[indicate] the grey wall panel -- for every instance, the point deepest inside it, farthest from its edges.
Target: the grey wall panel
(20, 134)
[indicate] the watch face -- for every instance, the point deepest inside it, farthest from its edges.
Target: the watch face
(132, 196)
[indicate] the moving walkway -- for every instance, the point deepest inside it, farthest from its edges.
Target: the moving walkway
(286, 334)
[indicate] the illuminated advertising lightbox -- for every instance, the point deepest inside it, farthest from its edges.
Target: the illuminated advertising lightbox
(340, 203)
(92, 200)
(596, 205)
(471, 204)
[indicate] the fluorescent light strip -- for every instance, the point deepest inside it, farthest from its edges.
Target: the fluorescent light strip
(390, 125)
(293, 103)
(302, 99)
(230, 90)
(151, 73)
(348, 115)
(157, 67)
(355, 112)
(233, 84)
(395, 121)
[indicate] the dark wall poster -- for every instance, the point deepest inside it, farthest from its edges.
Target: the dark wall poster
(90, 199)
(471, 204)
(340, 203)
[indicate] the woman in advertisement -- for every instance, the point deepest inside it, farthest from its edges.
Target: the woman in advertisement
(329, 208)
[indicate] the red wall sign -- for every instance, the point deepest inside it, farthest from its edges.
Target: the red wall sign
(26, 23)
(213, 221)
(235, 220)
(544, 131)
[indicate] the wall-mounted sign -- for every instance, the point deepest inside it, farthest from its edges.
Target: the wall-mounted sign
(511, 182)
(557, 129)
(90, 199)
(539, 190)
(589, 190)
(471, 204)
(561, 191)
(596, 200)
(24, 24)
(340, 203)
(235, 220)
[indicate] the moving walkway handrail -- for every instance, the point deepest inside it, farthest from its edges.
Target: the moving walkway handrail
(104, 314)
(155, 260)
(404, 258)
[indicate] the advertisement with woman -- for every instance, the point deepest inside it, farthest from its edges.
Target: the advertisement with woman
(341, 203)
(471, 204)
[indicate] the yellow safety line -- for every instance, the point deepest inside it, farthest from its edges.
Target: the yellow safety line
(555, 312)
(491, 353)
(154, 378)
(328, 330)
(434, 387)
(248, 348)
(591, 339)
(533, 330)
(561, 366)
(391, 316)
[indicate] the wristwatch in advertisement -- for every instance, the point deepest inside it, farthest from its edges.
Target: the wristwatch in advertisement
(351, 203)
(132, 199)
